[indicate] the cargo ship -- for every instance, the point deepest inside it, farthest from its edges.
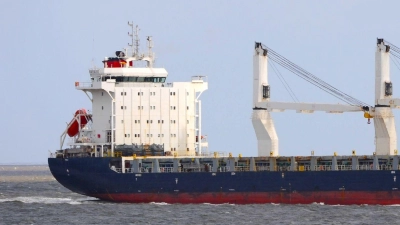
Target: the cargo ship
(142, 141)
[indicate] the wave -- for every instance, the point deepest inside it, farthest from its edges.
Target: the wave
(47, 200)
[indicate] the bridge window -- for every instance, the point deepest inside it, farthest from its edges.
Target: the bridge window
(134, 79)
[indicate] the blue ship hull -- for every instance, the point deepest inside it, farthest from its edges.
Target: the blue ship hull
(93, 177)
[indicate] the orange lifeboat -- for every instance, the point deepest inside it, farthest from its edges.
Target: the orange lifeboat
(73, 126)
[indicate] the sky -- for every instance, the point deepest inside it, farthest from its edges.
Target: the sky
(48, 45)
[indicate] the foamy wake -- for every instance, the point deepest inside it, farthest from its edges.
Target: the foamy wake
(47, 200)
(318, 203)
(159, 203)
(218, 204)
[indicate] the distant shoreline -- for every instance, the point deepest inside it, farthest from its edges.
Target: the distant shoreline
(25, 173)
(24, 168)
(22, 164)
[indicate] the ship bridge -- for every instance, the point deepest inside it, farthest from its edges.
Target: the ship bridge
(134, 109)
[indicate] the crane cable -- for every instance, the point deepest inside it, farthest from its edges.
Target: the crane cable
(284, 83)
(394, 51)
(307, 76)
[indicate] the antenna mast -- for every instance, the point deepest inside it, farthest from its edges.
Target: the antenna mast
(134, 34)
(131, 35)
(137, 41)
(150, 54)
(150, 45)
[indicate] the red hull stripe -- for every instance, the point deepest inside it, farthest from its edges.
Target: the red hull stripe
(328, 197)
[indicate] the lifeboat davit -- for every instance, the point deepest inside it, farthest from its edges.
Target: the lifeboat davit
(73, 126)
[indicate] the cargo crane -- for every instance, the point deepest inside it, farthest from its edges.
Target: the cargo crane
(381, 112)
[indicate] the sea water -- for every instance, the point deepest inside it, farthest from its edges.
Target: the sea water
(30, 195)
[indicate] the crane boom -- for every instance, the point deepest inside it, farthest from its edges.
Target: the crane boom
(308, 107)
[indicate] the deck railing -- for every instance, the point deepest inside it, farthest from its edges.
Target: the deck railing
(323, 168)
(282, 168)
(167, 169)
(83, 84)
(344, 167)
(263, 168)
(385, 167)
(257, 168)
(242, 168)
(224, 169)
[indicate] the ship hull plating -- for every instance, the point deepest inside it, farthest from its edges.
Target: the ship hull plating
(93, 177)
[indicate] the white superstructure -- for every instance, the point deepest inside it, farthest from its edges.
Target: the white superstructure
(135, 106)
